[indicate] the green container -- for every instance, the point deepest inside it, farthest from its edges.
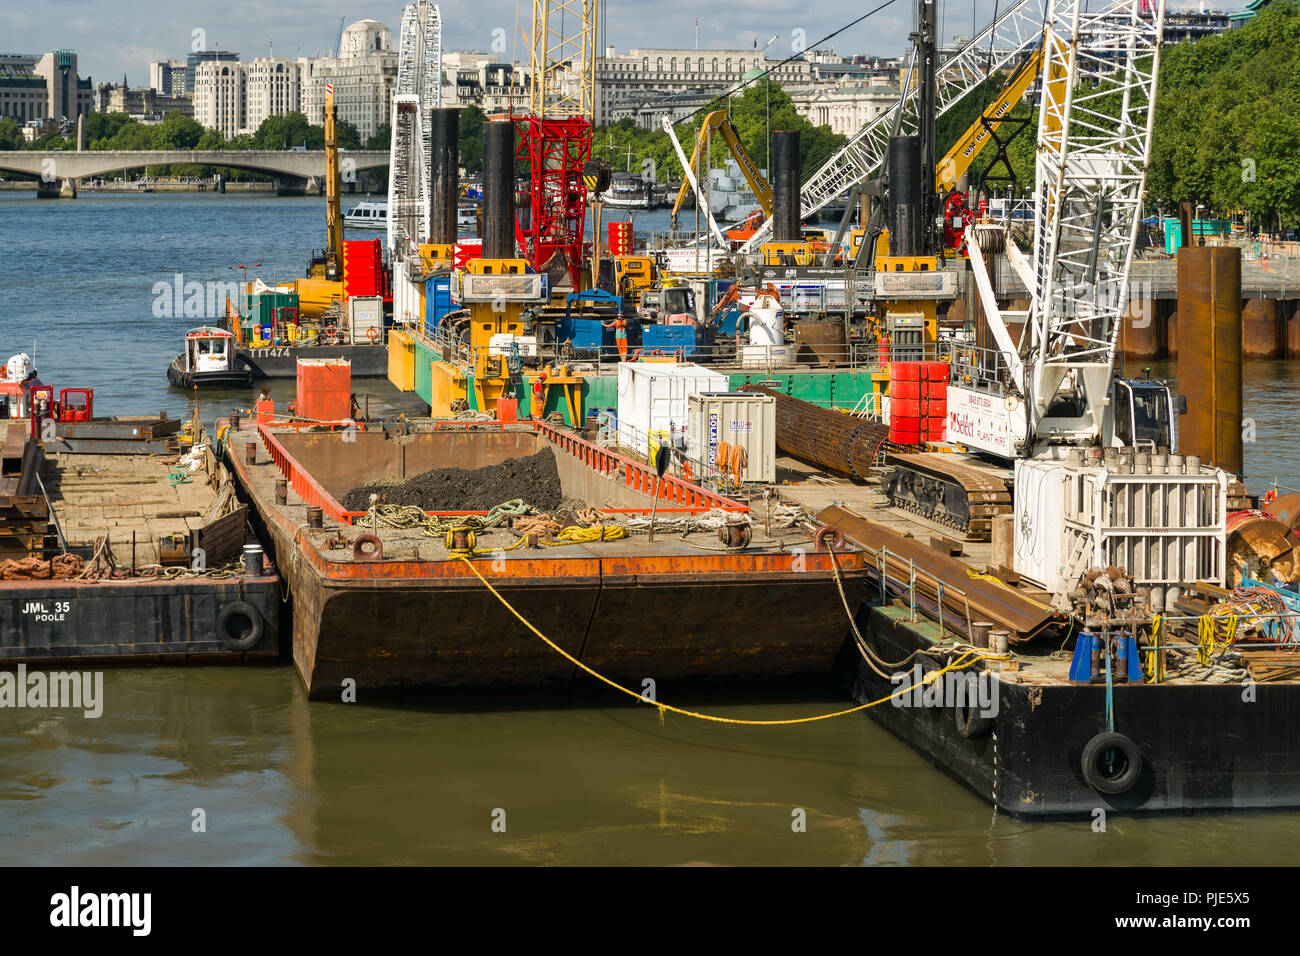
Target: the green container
(260, 307)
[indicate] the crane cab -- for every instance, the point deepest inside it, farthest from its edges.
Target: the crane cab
(1143, 413)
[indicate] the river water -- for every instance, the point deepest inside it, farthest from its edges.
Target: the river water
(522, 779)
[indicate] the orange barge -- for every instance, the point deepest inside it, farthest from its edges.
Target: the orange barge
(409, 612)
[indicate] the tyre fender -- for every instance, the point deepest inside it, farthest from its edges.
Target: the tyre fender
(240, 626)
(1111, 763)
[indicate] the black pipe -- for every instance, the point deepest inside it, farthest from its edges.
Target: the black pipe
(498, 189)
(444, 163)
(786, 218)
(906, 218)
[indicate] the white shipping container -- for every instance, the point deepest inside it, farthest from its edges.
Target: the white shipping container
(738, 418)
(652, 399)
(366, 312)
(1162, 526)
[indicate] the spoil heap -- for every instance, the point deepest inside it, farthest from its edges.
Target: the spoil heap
(535, 479)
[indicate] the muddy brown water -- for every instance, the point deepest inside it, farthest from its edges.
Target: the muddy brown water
(579, 778)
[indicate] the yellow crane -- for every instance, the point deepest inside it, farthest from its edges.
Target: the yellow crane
(717, 120)
(958, 159)
(333, 212)
(323, 285)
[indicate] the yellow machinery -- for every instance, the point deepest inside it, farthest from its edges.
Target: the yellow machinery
(324, 283)
(632, 276)
(958, 159)
(717, 120)
(495, 291)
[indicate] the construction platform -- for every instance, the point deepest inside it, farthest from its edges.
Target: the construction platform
(1204, 737)
(410, 612)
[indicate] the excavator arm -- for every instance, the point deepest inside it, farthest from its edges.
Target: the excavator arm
(958, 159)
(333, 212)
(717, 120)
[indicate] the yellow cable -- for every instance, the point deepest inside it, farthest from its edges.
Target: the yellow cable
(985, 576)
(959, 663)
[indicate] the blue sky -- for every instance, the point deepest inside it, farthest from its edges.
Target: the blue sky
(122, 36)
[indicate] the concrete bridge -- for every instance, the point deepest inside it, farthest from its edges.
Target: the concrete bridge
(59, 170)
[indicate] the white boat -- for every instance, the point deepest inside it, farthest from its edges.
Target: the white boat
(627, 192)
(368, 214)
(466, 218)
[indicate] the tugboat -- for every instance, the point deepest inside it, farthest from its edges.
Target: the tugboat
(209, 360)
(17, 379)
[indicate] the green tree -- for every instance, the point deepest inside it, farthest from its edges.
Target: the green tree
(177, 131)
(347, 135)
(382, 139)
(470, 139)
(11, 134)
(289, 131)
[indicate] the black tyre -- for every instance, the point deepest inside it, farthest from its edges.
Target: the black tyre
(1111, 763)
(970, 722)
(240, 626)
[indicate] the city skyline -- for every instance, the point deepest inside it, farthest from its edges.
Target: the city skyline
(160, 29)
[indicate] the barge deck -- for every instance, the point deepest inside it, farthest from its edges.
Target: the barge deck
(103, 596)
(680, 608)
(1212, 737)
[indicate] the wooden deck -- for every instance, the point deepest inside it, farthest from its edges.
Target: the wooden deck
(124, 496)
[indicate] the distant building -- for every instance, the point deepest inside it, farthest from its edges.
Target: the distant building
(272, 87)
(640, 73)
(194, 60)
(845, 109)
(363, 74)
(482, 80)
(220, 97)
(167, 77)
(141, 104)
(44, 87)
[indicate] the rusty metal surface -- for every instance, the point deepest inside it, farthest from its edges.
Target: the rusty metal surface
(843, 443)
(1286, 509)
(633, 608)
(1210, 354)
(1020, 615)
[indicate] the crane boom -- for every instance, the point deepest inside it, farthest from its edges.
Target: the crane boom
(333, 213)
(758, 184)
(996, 46)
(968, 146)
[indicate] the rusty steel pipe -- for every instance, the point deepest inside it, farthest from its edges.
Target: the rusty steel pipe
(1023, 617)
(842, 443)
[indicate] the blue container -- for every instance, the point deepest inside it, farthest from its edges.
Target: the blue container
(437, 302)
(672, 338)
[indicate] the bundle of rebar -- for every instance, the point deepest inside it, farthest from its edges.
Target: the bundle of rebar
(841, 442)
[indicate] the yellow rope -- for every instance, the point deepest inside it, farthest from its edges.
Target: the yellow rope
(960, 663)
(575, 535)
(1153, 669)
(985, 576)
(1207, 636)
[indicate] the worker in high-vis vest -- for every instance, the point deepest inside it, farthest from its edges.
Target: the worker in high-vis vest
(620, 335)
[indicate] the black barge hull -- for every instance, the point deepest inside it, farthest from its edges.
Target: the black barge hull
(368, 361)
(140, 621)
(1203, 746)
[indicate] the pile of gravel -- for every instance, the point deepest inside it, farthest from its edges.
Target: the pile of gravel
(535, 479)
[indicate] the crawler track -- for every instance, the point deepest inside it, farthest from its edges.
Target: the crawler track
(939, 487)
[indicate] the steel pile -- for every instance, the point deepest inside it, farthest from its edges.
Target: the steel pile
(843, 443)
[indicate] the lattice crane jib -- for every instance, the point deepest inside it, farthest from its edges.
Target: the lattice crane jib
(555, 136)
(418, 89)
(1094, 146)
(996, 47)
